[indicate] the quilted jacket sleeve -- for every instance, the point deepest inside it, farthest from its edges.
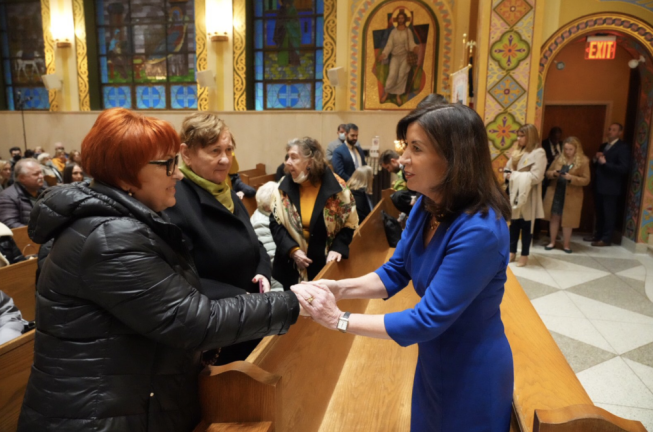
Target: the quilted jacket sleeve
(126, 273)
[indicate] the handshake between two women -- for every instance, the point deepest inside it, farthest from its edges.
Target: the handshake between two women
(318, 300)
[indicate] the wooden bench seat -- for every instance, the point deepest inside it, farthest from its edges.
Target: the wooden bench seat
(19, 283)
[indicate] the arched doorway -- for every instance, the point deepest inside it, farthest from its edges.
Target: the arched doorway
(636, 37)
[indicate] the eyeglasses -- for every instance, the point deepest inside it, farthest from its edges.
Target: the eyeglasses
(170, 164)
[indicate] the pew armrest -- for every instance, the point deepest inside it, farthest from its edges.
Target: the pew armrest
(582, 418)
(239, 392)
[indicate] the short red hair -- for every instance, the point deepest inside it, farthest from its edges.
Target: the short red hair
(122, 142)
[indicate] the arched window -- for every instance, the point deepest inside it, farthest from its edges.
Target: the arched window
(146, 51)
(23, 58)
(288, 54)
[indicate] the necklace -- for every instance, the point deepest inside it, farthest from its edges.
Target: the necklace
(433, 223)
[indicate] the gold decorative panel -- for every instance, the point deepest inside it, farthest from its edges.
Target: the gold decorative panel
(82, 58)
(48, 43)
(328, 91)
(202, 54)
(240, 68)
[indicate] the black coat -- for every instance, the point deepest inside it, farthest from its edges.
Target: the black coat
(283, 268)
(15, 206)
(550, 155)
(224, 246)
(611, 175)
(120, 321)
(363, 204)
(10, 250)
(225, 249)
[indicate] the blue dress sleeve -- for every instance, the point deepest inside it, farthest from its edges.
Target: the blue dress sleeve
(393, 274)
(471, 261)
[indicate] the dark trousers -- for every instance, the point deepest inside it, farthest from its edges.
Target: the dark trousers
(523, 227)
(606, 215)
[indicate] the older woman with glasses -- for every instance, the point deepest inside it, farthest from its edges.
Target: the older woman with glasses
(215, 223)
(121, 318)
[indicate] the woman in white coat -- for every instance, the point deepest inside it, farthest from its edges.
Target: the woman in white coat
(525, 172)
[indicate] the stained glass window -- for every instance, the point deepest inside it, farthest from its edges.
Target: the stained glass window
(147, 53)
(23, 57)
(288, 54)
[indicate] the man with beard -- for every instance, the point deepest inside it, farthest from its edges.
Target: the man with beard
(347, 158)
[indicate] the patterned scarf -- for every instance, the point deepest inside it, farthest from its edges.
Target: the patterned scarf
(339, 212)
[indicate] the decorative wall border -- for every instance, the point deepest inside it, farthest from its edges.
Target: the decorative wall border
(48, 46)
(639, 214)
(510, 66)
(240, 67)
(442, 11)
(330, 25)
(201, 53)
(81, 55)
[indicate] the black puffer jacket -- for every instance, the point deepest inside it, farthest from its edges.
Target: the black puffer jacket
(120, 323)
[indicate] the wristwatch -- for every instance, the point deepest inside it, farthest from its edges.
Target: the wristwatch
(343, 322)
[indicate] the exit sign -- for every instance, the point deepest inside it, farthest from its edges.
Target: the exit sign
(601, 48)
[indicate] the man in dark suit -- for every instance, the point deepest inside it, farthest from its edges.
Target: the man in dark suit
(347, 158)
(612, 166)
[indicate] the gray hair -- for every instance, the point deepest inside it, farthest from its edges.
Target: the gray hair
(42, 157)
(20, 165)
(264, 196)
(310, 149)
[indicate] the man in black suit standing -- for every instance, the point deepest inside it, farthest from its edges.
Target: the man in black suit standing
(612, 166)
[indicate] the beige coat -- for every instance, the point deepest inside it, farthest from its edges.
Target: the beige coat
(532, 166)
(580, 176)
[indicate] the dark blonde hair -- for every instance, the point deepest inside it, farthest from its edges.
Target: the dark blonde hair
(532, 142)
(363, 177)
(202, 129)
(310, 149)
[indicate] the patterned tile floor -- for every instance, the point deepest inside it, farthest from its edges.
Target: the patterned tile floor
(597, 304)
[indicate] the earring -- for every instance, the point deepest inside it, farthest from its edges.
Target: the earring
(129, 192)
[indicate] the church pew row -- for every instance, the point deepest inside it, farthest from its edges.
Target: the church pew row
(247, 175)
(26, 245)
(17, 355)
(314, 379)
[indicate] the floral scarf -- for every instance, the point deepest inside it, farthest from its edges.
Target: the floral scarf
(339, 212)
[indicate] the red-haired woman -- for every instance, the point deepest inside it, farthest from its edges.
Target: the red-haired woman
(120, 320)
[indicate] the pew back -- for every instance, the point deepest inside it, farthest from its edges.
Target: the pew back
(247, 175)
(19, 283)
(16, 358)
(26, 245)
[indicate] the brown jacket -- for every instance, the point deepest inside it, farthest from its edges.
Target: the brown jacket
(580, 176)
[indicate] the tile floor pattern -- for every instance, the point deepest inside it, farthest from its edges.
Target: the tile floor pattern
(595, 304)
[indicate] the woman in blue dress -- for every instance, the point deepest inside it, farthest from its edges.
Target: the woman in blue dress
(455, 249)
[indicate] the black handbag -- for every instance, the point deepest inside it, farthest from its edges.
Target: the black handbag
(392, 229)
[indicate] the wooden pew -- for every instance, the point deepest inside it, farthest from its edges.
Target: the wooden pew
(257, 182)
(19, 283)
(16, 358)
(313, 379)
(26, 245)
(548, 397)
(247, 175)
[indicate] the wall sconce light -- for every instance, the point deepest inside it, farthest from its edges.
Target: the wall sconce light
(559, 65)
(66, 43)
(217, 37)
(635, 62)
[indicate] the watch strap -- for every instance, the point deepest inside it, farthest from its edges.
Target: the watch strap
(343, 322)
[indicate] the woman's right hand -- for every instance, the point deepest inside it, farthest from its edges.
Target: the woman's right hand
(301, 260)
